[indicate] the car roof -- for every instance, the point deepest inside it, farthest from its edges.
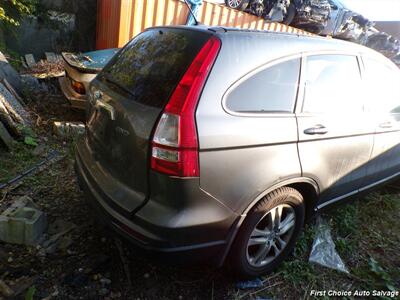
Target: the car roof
(299, 42)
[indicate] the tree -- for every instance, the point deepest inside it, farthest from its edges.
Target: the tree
(11, 11)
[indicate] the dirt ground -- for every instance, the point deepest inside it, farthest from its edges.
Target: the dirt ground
(89, 262)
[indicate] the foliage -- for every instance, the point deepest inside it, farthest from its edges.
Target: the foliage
(30, 293)
(381, 273)
(11, 11)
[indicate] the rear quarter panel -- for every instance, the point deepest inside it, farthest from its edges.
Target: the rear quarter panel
(242, 156)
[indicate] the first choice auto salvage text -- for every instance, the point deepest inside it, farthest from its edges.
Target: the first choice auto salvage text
(356, 293)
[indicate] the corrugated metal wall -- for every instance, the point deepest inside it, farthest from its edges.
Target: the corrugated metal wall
(120, 20)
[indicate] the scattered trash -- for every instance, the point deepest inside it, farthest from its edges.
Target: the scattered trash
(250, 284)
(22, 222)
(68, 129)
(323, 250)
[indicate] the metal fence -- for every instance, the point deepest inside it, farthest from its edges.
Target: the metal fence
(120, 20)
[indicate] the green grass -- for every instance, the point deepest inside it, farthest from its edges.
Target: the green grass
(366, 233)
(18, 160)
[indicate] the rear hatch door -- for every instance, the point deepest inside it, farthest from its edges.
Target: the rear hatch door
(127, 98)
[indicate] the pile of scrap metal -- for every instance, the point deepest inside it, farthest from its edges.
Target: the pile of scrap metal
(323, 17)
(80, 70)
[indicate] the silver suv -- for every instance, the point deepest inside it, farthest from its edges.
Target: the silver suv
(216, 144)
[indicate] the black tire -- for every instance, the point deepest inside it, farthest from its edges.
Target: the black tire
(239, 252)
(291, 12)
(242, 5)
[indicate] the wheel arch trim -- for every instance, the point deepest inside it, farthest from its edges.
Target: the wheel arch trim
(272, 188)
(279, 185)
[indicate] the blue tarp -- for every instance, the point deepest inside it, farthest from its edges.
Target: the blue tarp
(195, 5)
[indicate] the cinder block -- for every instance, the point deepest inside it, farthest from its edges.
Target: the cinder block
(22, 223)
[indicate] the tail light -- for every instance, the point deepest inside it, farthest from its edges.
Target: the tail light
(78, 87)
(175, 145)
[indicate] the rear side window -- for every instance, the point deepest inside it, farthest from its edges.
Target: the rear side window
(333, 84)
(150, 66)
(382, 86)
(272, 90)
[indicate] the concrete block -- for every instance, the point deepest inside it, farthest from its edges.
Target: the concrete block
(22, 223)
(68, 129)
(30, 60)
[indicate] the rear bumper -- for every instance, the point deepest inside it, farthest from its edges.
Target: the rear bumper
(76, 100)
(178, 220)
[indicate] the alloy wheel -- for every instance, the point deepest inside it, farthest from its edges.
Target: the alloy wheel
(234, 3)
(271, 235)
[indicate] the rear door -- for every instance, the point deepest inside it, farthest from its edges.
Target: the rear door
(335, 132)
(381, 85)
(127, 98)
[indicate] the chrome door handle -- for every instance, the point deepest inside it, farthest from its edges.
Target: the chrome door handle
(387, 124)
(317, 129)
(101, 104)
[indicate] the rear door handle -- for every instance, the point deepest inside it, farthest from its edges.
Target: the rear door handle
(387, 124)
(317, 129)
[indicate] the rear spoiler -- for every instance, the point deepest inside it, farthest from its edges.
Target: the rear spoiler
(72, 60)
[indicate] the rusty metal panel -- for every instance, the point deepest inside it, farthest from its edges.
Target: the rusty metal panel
(108, 15)
(120, 20)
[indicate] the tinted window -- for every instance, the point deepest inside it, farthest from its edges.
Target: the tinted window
(333, 84)
(150, 66)
(382, 86)
(270, 90)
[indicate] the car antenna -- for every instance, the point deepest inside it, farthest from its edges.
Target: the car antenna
(191, 12)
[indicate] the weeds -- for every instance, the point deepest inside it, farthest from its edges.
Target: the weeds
(16, 161)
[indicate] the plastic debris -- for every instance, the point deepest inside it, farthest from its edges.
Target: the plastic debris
(249, 284)
(323, 250)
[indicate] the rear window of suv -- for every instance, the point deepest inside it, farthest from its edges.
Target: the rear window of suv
(150, 66)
